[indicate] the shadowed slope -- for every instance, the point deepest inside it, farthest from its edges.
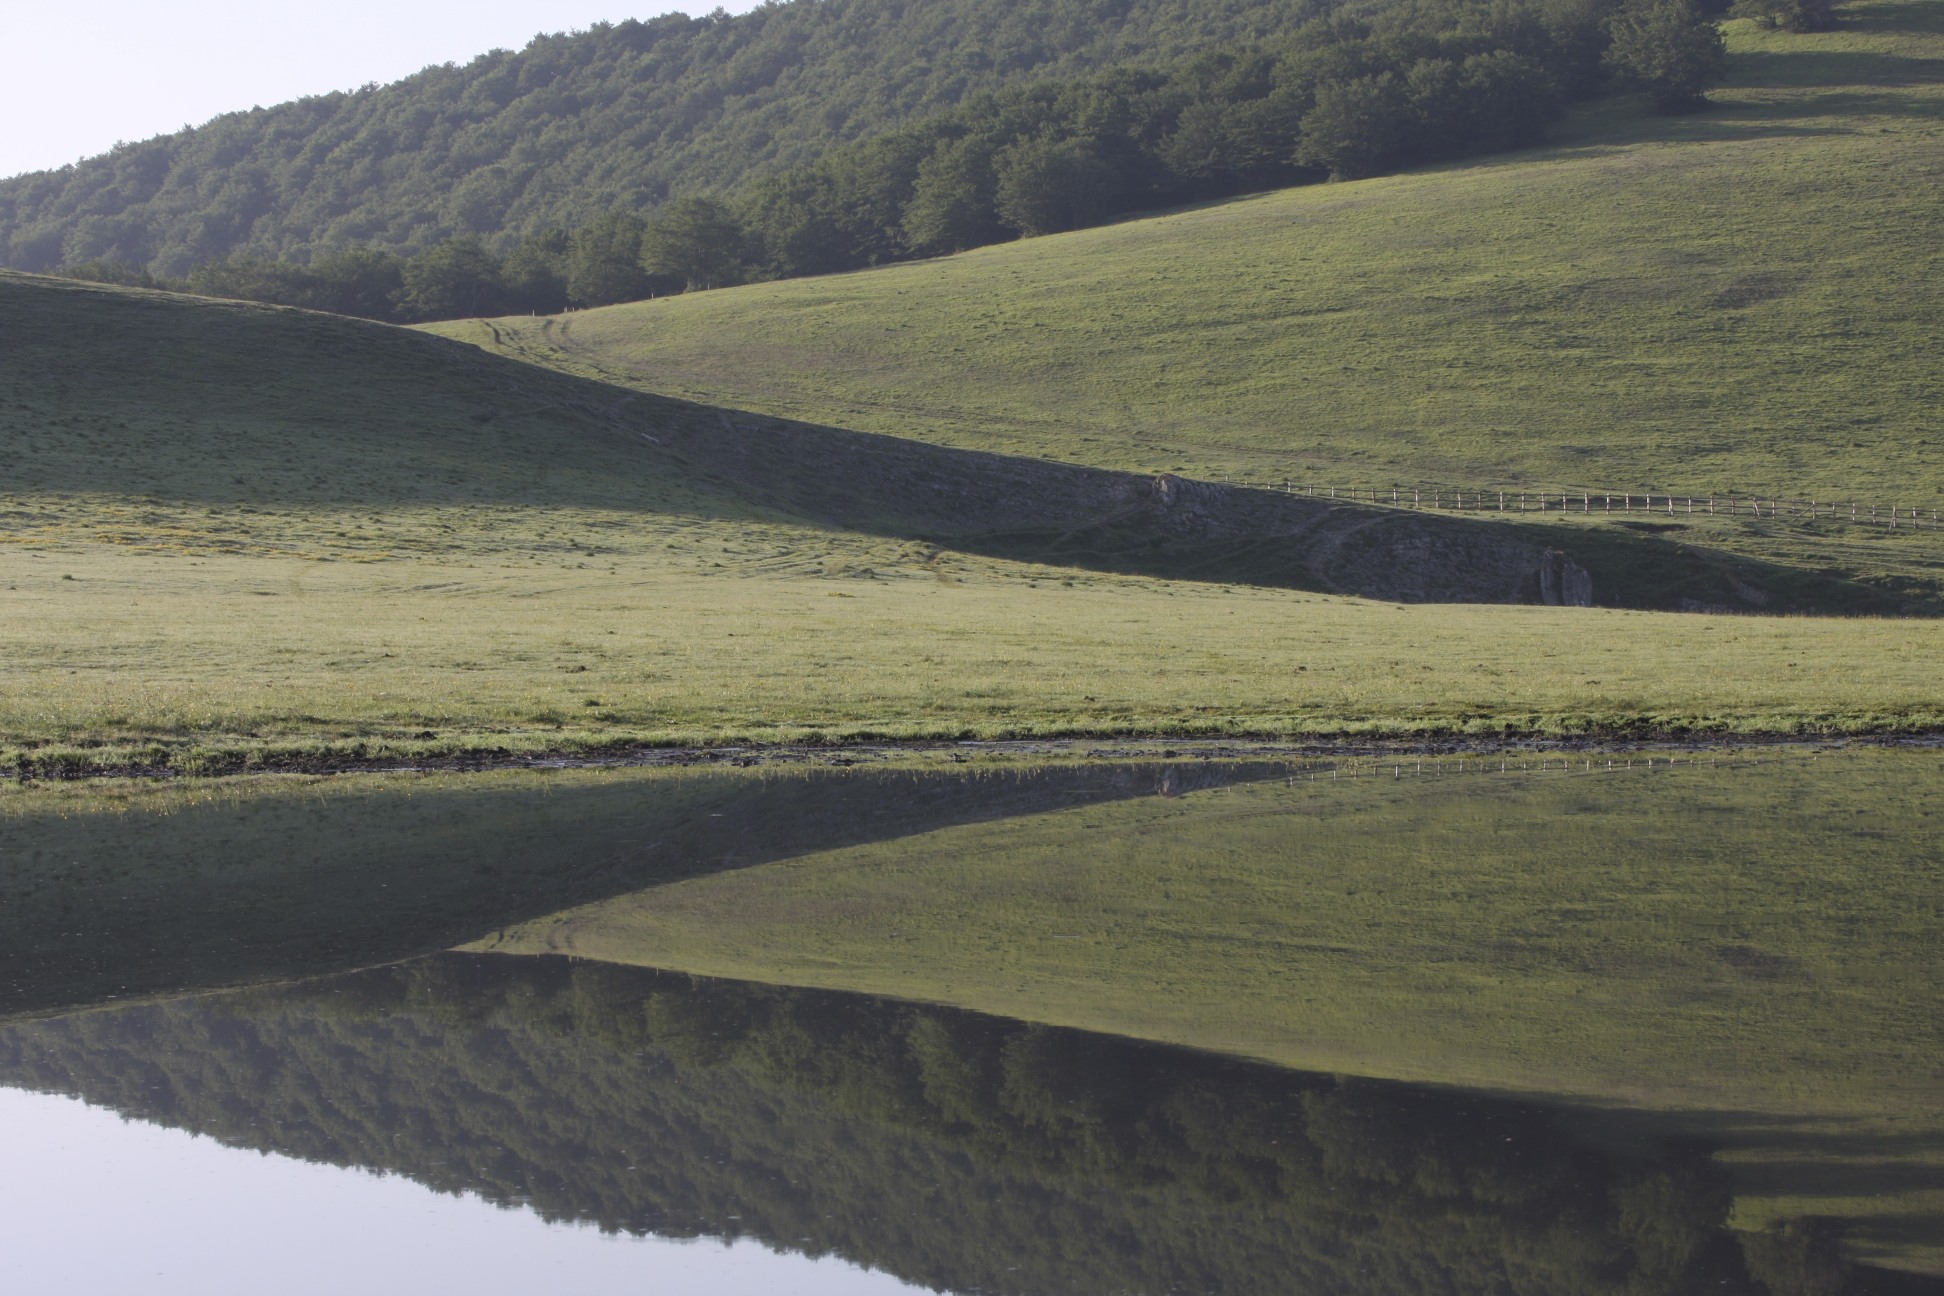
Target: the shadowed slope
(110, 393)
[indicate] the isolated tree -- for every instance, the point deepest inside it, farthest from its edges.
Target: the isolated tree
(1044, 185)
(604, 262)
(951, 205)
(696, 240)
(1671, 48)
(1789, 15)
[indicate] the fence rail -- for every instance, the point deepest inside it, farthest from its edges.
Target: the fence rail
(1890, 517)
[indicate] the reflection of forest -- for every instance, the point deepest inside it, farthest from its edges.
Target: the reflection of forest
(954, 1150)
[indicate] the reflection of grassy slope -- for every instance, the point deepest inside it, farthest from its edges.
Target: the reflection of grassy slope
(107, 892)
(1740, 301)
(1742, 939)
(1758, 943)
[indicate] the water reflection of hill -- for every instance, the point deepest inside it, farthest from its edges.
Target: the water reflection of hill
(955, 1150)
(108, 893)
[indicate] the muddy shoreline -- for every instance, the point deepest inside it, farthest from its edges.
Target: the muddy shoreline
(948, 752)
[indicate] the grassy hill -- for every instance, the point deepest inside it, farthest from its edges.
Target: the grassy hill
(575, 125)
(232, 528)
(1742, 302)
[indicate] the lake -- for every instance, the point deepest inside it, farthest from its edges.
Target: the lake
(1533, 1022)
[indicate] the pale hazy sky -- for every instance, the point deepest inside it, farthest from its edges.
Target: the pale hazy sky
(84, 74)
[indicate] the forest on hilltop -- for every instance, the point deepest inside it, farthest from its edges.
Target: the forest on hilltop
(679, 154)
(575, 125)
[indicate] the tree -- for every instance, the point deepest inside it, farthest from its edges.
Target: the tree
(357, 281)
(1356, 128)
(696, 240)
(251, 279)
(604, 262)
(795, 224)
(536, 273)
(1671, 48)
(109, 272)
(951, 205)
(1789, 15)
(456, 279)
(1045, 185)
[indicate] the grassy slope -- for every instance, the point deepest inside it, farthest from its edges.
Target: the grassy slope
(1752, 942)
(1743, 301)
(237, 527)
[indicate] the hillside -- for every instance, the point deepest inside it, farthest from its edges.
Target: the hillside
(241, 529)
(1742, 302)
(575, 125)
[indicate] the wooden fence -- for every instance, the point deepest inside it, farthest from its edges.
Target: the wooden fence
(1890, 517)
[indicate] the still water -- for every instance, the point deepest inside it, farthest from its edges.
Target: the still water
(187, 1214)
(1667, 1027)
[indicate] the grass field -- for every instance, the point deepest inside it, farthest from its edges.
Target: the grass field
(1741, 301)
(1750, 943)
(285, 659)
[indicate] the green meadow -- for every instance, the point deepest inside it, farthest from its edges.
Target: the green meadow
(1742, 302)
(286, 661)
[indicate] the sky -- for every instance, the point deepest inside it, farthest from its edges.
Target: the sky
(83, 75)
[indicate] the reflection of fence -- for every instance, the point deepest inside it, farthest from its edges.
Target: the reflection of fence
(1891, 517)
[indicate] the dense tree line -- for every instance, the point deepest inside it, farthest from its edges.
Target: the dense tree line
(956, 1151)
(572, 126)
(1339, 97)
